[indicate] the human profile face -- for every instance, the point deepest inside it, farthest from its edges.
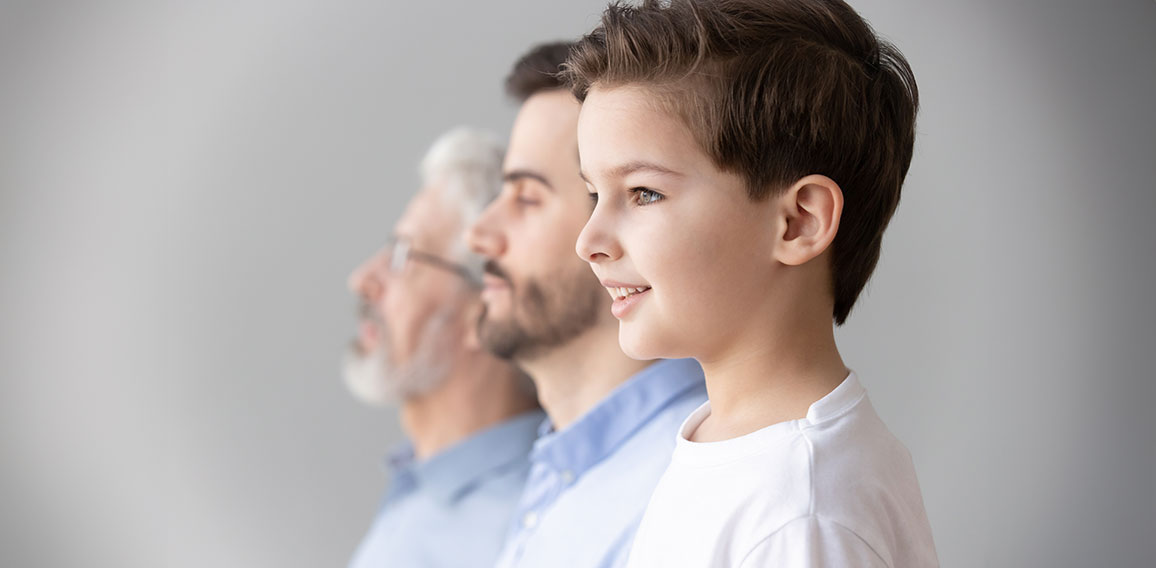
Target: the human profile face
(410, 326)
(537, 296)
(670, 223)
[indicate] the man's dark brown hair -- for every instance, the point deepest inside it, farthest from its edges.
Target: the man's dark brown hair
(538, 70)
(774, 90)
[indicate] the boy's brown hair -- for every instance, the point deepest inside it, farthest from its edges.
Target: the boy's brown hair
(774, 90)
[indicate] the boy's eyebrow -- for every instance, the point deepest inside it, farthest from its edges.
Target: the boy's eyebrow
(635, 166)
(515, 175)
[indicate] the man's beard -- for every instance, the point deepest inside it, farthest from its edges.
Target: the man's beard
(375, 378)
(541, 318)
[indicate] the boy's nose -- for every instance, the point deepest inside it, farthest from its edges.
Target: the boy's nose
(596, 244)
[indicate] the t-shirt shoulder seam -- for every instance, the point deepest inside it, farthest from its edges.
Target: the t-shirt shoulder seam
(839, 413)
(772, 534)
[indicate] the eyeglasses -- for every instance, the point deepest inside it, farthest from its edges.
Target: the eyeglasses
(401, 252)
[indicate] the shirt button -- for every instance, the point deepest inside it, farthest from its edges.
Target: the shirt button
(567, 477)
(530, 520)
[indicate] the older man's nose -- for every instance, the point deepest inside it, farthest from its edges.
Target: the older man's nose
(366, 280)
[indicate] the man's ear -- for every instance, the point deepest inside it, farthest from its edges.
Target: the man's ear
(809, 212)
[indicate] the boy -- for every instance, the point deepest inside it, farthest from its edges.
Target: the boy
(745, 157)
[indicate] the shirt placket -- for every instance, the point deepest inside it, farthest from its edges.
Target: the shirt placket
(547, 485)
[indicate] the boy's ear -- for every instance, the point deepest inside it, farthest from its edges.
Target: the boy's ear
(810, 211)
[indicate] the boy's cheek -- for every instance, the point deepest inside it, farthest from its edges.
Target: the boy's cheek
(656, 332)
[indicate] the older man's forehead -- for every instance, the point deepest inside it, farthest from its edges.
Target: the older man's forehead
(430, 221)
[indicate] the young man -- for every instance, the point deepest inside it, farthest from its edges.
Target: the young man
(612, 419)
(469, 416)
(745, 157)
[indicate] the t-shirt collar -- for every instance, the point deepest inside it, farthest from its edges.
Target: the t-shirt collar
(709, 454)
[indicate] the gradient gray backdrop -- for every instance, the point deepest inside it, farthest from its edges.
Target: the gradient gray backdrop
(186, 185)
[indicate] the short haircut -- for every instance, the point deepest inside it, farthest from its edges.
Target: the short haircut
(774, 90)
(538, 71)
(464, 166)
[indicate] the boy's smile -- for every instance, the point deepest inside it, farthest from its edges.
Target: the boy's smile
(625, 296)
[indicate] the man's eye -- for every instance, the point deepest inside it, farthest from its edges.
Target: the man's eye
(646, 196)
(524, 197)
(594, 198)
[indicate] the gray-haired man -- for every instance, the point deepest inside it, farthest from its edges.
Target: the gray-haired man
(470, 417)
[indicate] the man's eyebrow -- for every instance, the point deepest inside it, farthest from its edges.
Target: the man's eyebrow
(635, 166)
(516, 175)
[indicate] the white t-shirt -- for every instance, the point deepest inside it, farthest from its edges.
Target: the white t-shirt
(833, 489)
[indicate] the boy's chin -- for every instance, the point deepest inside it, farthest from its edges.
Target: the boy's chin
(638, 344)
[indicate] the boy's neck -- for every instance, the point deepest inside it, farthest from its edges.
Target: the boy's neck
(770, 375)
(574, 378)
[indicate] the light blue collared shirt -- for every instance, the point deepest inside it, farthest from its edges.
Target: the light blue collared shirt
(454, 508)
(590, 483)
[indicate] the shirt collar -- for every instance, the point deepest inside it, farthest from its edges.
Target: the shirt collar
(632, 404)
(835, 403)
(450, 473)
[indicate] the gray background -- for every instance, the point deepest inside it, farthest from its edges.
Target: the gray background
(186, 185)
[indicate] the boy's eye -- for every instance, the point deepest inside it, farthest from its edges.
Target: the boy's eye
(646, 196)
(594, 198)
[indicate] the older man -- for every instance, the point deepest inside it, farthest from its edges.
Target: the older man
(470, 417)
(612, 420)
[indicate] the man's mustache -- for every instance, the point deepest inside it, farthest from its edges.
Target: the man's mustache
(367, 312)
(491, 267)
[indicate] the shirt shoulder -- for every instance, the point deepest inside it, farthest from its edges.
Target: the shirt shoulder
(813, 542)
(863, 479)
(840, 467)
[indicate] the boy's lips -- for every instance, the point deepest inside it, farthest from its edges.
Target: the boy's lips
(626, 295)
(619, 290)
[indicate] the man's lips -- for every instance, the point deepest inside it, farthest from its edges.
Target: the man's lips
(495, 290)
(491, 282)
(367, 326)
(367, 336)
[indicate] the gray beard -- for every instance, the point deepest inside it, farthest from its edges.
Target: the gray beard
(375, 379)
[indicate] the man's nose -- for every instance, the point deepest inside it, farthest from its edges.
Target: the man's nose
(366, 280)
(485, 236)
